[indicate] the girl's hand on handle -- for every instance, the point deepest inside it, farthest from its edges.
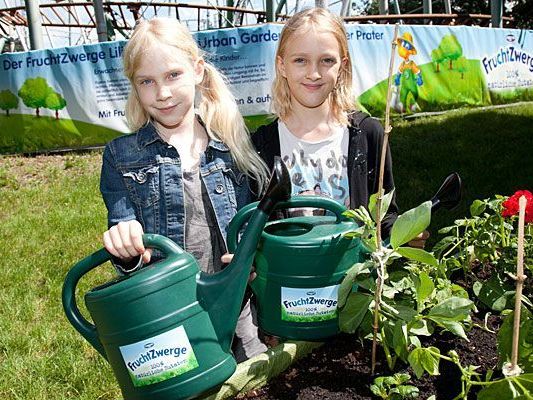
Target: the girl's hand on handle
(226, 259)
(124, 241)
(420, 241)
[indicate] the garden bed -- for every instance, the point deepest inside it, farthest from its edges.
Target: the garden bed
(340, 369)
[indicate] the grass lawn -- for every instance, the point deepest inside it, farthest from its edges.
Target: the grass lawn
(51, 216)
(492, 150)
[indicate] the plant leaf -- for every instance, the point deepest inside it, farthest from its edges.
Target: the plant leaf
(408, 392)
(477, 207)
(400, 378)
(421, 328)
(495, 293)
(421, 359)
(453, 326)
(410, 224)
(455, 308)
(347, 283)
(385, 203)
(418, 255)
(400, 340)
(379, 391)
(444, 244)
(424, 288)
(525, 339)
(354, 311)
(516, 387)
(405, 313)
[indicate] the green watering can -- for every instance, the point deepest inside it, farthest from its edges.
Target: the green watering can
(300, 263)
(167, 329)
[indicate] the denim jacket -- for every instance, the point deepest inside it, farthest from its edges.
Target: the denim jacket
(142, 179)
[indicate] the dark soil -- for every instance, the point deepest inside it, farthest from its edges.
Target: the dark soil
(340, 369)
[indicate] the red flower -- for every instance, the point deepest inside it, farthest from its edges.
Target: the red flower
(510, 206)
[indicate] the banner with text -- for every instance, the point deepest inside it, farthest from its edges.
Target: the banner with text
(75, 96)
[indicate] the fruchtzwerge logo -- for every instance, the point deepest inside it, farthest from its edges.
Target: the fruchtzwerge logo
(506, 55)
(153, 354)
(309, 301)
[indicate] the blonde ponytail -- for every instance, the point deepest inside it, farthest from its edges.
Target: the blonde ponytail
(222, 120)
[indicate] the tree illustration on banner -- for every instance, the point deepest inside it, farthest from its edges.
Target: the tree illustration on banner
(54, 101)
(34, 92)
(438, 58)
(462, 66)
(451, 49)
(8, 101)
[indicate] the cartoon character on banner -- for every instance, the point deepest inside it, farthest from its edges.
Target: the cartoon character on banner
(408, 77)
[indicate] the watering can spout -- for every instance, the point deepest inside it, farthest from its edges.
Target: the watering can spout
(222, 293)
(449, 194)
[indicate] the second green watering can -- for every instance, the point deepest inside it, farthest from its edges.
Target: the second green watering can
(300, 263)
(166, 329)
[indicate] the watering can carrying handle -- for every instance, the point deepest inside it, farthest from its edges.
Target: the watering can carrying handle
(294, 202)
(84, 327)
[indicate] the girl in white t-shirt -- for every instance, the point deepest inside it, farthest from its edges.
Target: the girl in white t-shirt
(330, 148)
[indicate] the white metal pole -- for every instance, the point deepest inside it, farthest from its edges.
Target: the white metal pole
(33, 15)
(101, 27)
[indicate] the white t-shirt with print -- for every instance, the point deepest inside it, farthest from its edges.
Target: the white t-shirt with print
(318, 167)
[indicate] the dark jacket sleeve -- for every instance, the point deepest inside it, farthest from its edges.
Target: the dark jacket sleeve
(266, 143)
(375, 135)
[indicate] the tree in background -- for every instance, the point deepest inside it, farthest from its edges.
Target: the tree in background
(522, 13)
(8, 101)
(415, 7)
(54, 101)
(520, 10)
(34, 92)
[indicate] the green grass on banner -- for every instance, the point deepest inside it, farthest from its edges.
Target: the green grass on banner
(22, 133)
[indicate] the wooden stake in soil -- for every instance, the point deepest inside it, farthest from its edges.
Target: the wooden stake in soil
(520, 278)
(381, 269)
(387, 130)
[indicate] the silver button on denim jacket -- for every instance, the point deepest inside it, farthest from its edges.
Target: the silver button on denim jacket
(142, 179)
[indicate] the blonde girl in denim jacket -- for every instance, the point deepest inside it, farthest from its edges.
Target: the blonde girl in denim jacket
(183, 173)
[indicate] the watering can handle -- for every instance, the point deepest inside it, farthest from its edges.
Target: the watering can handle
(294, 202)
(84, 327)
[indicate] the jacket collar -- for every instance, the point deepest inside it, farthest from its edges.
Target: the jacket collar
(148, 135)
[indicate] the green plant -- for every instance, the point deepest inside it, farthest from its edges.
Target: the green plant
(525, 344)
(512, 387)
(394, 388)
(486, 242)
(416, 296)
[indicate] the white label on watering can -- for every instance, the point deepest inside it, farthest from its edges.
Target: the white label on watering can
(309, 305)
(159, 358)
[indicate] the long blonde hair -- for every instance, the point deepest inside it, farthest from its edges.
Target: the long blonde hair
(341, 98)
(216, 107)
